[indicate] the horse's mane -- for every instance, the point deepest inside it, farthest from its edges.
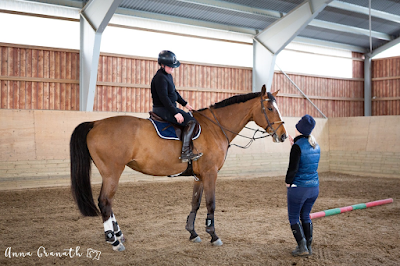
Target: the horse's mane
(238, 99)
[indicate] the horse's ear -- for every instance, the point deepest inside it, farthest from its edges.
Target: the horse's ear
(263, 90)
(275, 93)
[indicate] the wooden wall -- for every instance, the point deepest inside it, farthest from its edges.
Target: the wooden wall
(386, 86)
(124, 83)
(356, 146)
(334, 97)
(39, 78)
(35, 150)
(48, 79)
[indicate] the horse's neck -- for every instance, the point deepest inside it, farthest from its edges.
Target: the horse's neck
(233, 118)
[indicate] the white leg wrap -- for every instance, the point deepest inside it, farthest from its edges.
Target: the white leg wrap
(117, 230)
(108, 225)
(115, 224)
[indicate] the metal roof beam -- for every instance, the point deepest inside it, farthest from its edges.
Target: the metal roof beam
(384, 47)
(284, 30)
(69, 3)
(334, 45)
(365, 11)
(344, 28)
(94, 19)
(268, 43)
(187, 21)
(235, 7)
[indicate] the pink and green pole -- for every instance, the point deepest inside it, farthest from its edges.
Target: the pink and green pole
(350, 208)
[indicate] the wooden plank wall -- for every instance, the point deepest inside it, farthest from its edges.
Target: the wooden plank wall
(38, 78)
(386, 86)
(124, 83)
(334, 97)
(48, 78)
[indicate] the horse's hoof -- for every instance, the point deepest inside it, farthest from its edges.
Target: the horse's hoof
(121, 238)
(217, 243)
(120, 247)
(197, 239)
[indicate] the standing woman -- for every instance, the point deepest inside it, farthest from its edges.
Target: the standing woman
(165, 96)
(302, 184)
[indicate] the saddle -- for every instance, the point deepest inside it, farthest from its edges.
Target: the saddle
(167, 130)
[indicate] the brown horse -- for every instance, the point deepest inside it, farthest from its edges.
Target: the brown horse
(117, 141)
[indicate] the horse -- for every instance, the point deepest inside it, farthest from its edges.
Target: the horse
(120, 141)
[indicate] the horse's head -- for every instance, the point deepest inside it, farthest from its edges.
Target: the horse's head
(267, 116)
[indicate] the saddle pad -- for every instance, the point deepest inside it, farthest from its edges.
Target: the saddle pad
(167, 131)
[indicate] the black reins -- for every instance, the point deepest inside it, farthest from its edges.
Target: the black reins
(251, 139)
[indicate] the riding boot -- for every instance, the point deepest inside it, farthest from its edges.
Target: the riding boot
(308, 234)
(187, 153)
(298, 234)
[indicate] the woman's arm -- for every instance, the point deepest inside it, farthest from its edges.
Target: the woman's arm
(294, 162)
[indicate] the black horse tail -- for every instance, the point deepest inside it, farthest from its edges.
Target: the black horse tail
(80, 170)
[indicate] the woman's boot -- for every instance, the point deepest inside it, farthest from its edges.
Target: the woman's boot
(298, 234)
(308, 234)
(187, 153)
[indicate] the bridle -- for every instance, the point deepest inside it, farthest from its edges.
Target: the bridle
(266, 134)
(266, 117)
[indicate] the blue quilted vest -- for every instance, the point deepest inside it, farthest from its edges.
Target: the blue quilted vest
(307, 175)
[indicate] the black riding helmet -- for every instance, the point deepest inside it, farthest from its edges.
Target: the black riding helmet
(168, 58)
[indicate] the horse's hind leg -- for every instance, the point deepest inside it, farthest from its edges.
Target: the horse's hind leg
(196, 201)
(117, 230)
(112, 231)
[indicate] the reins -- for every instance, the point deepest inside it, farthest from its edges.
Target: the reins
(252, 139)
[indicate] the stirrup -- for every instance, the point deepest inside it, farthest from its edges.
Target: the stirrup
(190, 157)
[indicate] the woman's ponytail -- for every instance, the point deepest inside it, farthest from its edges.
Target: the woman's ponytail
(312, 141)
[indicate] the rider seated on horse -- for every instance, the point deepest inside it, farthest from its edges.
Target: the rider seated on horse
(165, 96)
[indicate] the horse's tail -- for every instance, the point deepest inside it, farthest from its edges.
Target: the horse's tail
(80, 170)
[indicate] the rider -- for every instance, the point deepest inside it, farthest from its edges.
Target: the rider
(165, 96)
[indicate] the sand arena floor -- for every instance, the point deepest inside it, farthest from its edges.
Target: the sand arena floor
(250, 219)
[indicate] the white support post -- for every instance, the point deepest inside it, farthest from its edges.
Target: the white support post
(94, 19)
(273, 39)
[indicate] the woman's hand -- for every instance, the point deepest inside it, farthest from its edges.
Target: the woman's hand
(179, 118)
(291, 140)
(189, 107)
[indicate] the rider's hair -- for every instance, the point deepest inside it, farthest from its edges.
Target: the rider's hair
(312, 141)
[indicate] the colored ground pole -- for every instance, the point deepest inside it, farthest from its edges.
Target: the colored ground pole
(350, 208)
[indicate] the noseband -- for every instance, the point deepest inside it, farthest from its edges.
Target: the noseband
(266, 118)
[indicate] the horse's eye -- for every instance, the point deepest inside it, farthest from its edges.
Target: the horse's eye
(269, 108)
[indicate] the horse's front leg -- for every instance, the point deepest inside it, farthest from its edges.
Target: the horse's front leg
(196, 201)
(209, 189)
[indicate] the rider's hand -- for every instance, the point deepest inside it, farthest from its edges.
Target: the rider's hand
(189, 107)
(179, 118)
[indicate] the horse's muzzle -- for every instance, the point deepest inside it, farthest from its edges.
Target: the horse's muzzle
(278, 139)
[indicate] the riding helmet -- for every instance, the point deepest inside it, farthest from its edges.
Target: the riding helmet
(168, 58)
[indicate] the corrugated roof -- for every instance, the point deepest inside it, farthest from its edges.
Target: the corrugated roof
(343, 23)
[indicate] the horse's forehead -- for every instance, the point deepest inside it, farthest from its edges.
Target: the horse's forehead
(271, 97)
(276, 108)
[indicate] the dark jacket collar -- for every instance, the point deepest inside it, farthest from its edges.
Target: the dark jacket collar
(299, 137)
